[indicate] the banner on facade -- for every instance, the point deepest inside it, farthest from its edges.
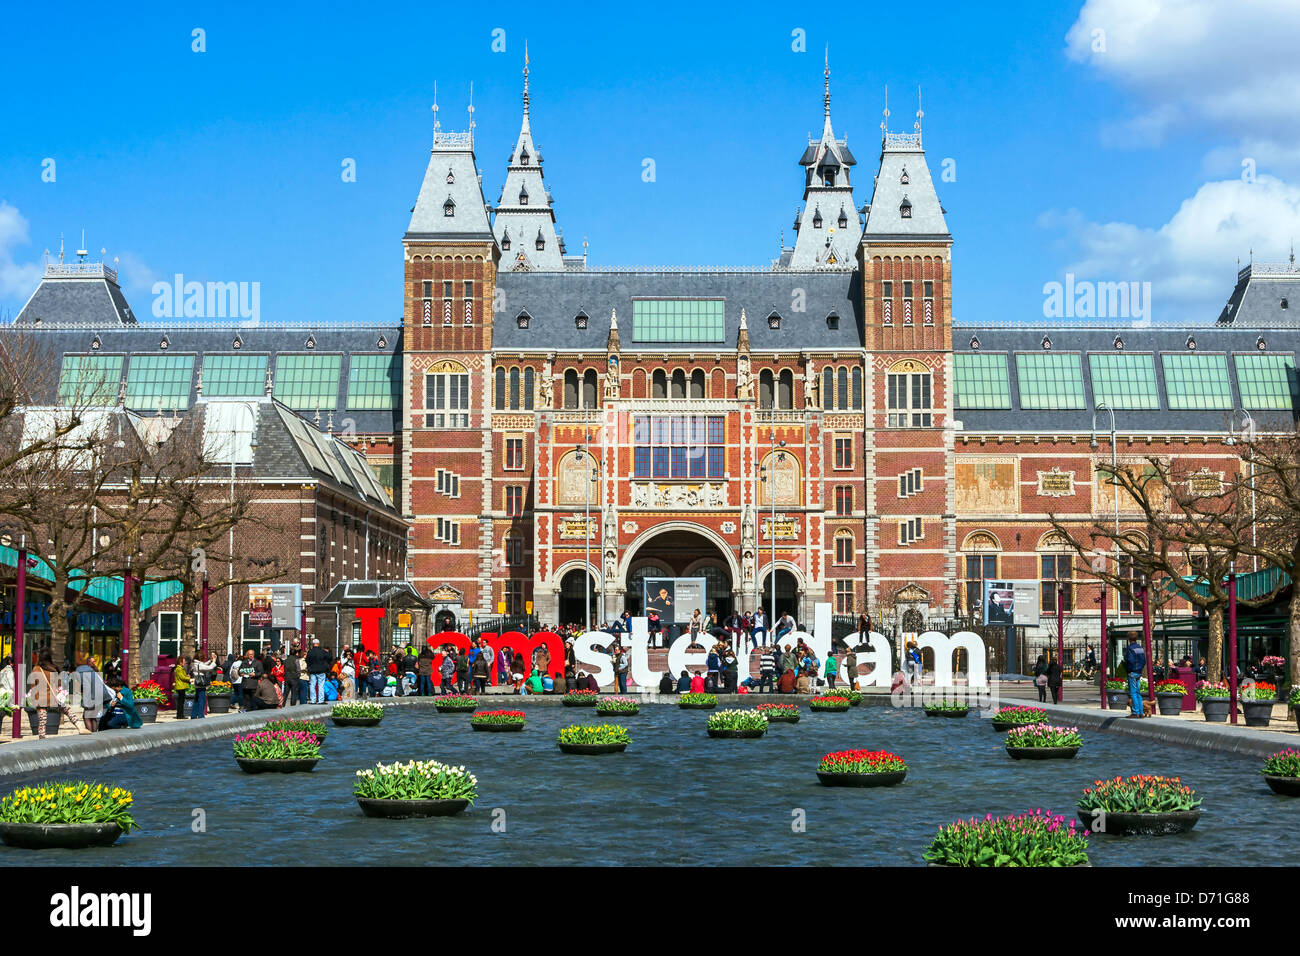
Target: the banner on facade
(259, 606)
(1011, 603)
(275, 606)
(674, 599)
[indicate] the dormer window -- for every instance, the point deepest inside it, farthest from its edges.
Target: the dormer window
(905, 208)
(449, 207)
(541, 242)
(451, 177)
(903, 180)
(523, 156)
(238, 343)
(817, 218)
(580, 320)
(1119, 344)
(505, 241)
(522, 320)
(523, 197)
(1284, 304)
(844, 219)
(95, 344)
(833, 321)
(774, 321)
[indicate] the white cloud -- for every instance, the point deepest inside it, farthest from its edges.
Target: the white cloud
(134, 275)
(1191, 260)
(17, 279)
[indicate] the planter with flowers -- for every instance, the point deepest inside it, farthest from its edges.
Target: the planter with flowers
(1274, 668)
(947, 708)
(1042, 742)
(1282, 772)
(455, 704)
(1029, 839)
(1214, 700)
(1117, 694)
(593, 739)
(219, 697)
(1139, 805)
(149, 696)
(618, 706)
(498, 721)
(70, 815)
(779, 713)
(852, 696)
(861, 768)
(697, 702)
(580, 698)
(419, 788)
(737, 724)
(1257, 702)
(834, 705)
(1169, 697)
(357, 714)
(313, 727)
(1008, 717)
(277, 751)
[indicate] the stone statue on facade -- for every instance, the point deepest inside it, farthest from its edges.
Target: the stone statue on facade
(744, 381)
(544, 386)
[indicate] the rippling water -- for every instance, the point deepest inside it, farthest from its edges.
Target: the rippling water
(675, 796)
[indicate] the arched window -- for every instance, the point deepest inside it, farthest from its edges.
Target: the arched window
(530, 388)
(843, 382)
(639, 383)
(679, 383)
(908, 395)
(765, 388)
(571, 389)
(514, 389)
(785, 390)
(589, 388)
(980, 554)
(660, 384)
(501, 389)
(697, 383)
(857, 387)
(844, 547)
(828, 388)
(1056, 562)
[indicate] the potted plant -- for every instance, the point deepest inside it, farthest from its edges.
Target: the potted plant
(1042, 742)
(861, 768)
(779, 713)
(737, 724)
(498, 721)
(1294, 703)
(277, 751)
(219, 697)
(1282, 772)
(1027, 839)
(419, 788)
(1141, 804)
(1214, 700)
(53, 717)
(313, 727)
(70, 815)
(580, 698)
(834, 705)
(852, 696)
(622, 706)
(1169, 697)
(697, 702)
(149, 696)
(947, 708)
(593, 739)
(1017, 716)
(1117, 694)
(455, 704)
(1275, 669)
(1257, 702)
(356, 713)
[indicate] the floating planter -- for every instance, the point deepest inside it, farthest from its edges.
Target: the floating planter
(580, 698)
(1257, 702)
(852, 696)
(313, 727)
(149, 696)
(835, 705)
(593, 739)
(1282, 772)
(861, 768)
(1008, 717)
(420, 788)
(737, 724)
(1214, 700)
(498, 721)
(1169, 697)
(947, 708)
(72, 815)
(277, 751)
(779, 713)
(219, 697)
(697, 702)
(1139, 805)
(1029, 839)
(456, 704)
(618, 706)
(1043, 742)
(357, 714)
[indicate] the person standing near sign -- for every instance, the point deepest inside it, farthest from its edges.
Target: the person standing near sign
(318, 663)
(1054, 677)
(1135, 662)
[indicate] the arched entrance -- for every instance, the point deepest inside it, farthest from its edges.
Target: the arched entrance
(681, 551)
(571, 611)
(787, 594)
(444, 620)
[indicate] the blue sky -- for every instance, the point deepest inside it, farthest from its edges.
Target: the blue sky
(1120, 163)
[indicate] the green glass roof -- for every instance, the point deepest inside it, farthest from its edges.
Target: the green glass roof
(981, 380)
(1195, 380)
(234, 376)
(1123, 380)
(159, 381)
(1050, 380)
(307, 382)
(1266, 381)
(678, 320)
(108, 590)
(90, 379)
(373, 381)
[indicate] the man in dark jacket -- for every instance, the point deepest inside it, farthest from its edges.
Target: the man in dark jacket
(318, 665)
(1135, 662)
(250, 671)
(292, 671)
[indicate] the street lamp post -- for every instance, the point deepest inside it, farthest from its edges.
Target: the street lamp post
(20, 653)
(770, 480)
(230, 572)
(1248, 432)
(203, 620)
(1105, 648)
(1114, 465)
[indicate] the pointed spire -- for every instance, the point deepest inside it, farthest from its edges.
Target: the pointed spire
(884, 122)
(827, 73)
(742, 334)
(436, 125)
(471, 113)
(613, 318)
(919, 112)
(612, 343)
(525, 81)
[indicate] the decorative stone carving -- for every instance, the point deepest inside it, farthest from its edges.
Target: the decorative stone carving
(1056, 483)
(728, 527)
(630, 527)
(544, 385)
(747, 529)
(611, 379)
(744, 380)
(573, 472)
(809, 378)
(656, 495)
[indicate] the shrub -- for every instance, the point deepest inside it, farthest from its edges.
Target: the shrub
(1043, 735)
(1020, 715)
(357, 709)
(498, 717)
(1121, 684)
(416, 780)
(594, 734)
(1284, 763)
(1139, 794)
(69, 802)
(313, 727)
(277, 745)
(1030, 839)
(737, 720)
(861, 761)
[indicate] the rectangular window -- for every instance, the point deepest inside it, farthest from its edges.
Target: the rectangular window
(512, 593)
(908, 397)
(929, 288)
(169, 634)
(844, 603)
(676, 321)
(886, 289)
(514, 501)
(981, 380)
(1123, 380)
(1057, 573)
(843, 500)
(1194, 380)
(843, 452)
(373, 381)
(446, 289)
(514, 454)
(446, 400)
(234, 376)
(428, 289)
(1266, 381)
(907, 288)
(843, 549)
(159, 381)
(448, 531)
(514, 551)
(910, 483)
(910, 530)
(90, 379)
(679, 446)
(448, 483)
(979, 568)
(308, 382)
(1050, 380)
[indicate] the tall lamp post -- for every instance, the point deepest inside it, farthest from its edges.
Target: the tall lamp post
(20, 653)
(770, 482)
(1248, 432)
(230, 572)
(1114, 465)
(584, 453)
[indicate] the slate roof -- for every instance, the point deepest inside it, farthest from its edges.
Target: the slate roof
(77, 293)
(885, 220)
(452, 153)
(1265, 295)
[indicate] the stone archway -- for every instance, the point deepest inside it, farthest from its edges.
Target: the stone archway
(683, 549)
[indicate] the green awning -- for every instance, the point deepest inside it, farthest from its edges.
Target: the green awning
(1250, 586)
(101, 588)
